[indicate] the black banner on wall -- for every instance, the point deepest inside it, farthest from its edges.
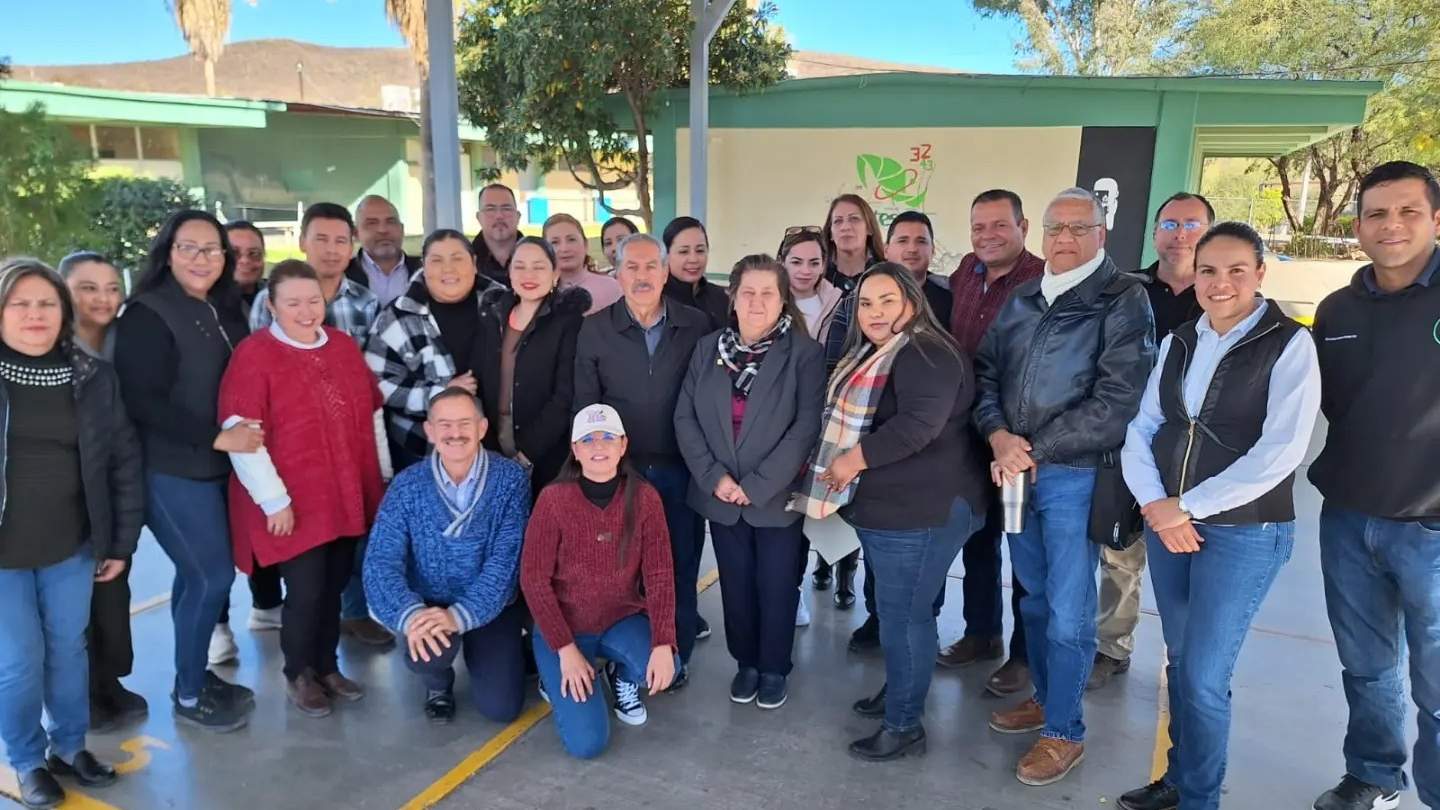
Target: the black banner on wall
(1115, 163)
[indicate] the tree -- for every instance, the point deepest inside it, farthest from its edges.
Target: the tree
(536, 74)
(409, 17)
(1092, 37)
(43, 186)
(204, 24)
(126, 213)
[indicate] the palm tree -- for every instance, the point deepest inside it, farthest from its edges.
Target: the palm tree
(409, 17)
(204, 24)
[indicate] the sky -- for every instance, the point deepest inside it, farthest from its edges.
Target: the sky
(945, 33)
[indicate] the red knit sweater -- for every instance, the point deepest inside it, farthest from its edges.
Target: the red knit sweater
(571, 573)
(317, 407)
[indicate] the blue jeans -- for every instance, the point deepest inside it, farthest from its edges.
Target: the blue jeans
(687, 545)
(188, 519)
(1055, 561)
(1382, 589)
(910, 566)
(352, 599)
(585, 727)
(1207, 601)
(43, 664)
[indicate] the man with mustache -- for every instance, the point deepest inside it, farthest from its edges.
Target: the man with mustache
(632, 356)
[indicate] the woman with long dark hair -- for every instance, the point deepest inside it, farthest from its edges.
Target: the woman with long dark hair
(172, 346)
(596, 572)
(895, 450)
(687, 255)
(748, 414)
(73, 503)
(525, 360)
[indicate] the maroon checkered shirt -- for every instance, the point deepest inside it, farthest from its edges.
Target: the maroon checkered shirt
(976, 307)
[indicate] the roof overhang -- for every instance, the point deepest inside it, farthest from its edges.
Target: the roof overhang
(64, 102)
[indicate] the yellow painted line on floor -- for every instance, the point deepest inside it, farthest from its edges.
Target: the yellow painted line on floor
(487, 753)
(74, 799)
(149, 604)
(1159, 761)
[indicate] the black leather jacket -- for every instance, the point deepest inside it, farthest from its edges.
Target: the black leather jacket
(1067, 377)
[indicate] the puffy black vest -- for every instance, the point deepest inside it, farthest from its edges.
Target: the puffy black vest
(1189, 449)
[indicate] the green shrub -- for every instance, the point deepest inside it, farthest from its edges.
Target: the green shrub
(44, 188)
(128, 211)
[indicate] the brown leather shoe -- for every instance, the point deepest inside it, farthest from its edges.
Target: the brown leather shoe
(308, 696)
(340, 687)
(367, 631)
(968, 650)
(1027, 717)
(1048, 761)
(1013, 677)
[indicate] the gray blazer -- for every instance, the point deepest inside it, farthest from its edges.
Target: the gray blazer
(780, 428)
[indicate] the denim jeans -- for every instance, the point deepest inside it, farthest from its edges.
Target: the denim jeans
(758, 568)
(687, 545)
(352, 599)
(1055, 561)
(984, 607)
(494, 657)
(585, 727)
(1207, 601)
(1382, 589)
(43, 665)
(188, 519)
(910, 566)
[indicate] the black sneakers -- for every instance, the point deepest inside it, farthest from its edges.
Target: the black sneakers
(745, 685)
(212, 714)
(1158, 795)
(774, 689)
(1353, 794)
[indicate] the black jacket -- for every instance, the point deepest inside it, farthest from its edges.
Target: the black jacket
(170, 353)
(485, 262)
(1067, 377)
(612, 366)
(111, 470)
(544, 384)
(710, 299)
(356, 271)
(780, 428)
(920, 453)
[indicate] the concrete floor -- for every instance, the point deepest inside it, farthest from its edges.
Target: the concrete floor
(701, 751)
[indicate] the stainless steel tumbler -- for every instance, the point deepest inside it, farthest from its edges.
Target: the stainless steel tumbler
(1014, 499)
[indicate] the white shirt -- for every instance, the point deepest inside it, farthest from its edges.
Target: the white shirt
(1290, 411)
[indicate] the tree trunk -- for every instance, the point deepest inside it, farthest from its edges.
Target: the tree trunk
(427, 160)
(210, 77)
(1282, 171)
(642, 162)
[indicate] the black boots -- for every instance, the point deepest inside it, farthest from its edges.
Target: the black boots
(845, 581)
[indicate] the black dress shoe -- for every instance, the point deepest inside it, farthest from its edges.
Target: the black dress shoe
(866, 637)
(845, 584)
(102, 717)
(440, 706)
(873, 706)
(38, 788)
(885, 745)
(1158, 795)
(86, 769)
(822, 576)
(745, 685)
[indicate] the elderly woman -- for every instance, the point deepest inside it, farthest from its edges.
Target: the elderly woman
(525, 360)
(423, 342)
(573, 265)
(687, 250)
(1224, 422)
(308, 384)
(171, 348)
(73, 505)
(896, 451)
(748, 415)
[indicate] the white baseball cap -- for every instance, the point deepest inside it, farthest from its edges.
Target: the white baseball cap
(593, 418)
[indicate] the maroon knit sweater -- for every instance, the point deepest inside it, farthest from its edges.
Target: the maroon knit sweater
(571, 572)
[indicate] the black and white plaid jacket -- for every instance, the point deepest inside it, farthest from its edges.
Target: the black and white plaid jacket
(410, 359)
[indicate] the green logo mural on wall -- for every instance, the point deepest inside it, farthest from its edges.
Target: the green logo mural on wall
(890, 181)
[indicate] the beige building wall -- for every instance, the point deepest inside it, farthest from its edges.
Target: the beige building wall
(764, 180)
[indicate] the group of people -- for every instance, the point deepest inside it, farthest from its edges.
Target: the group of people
(495, 449)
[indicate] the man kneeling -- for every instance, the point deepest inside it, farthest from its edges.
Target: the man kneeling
(442, 563)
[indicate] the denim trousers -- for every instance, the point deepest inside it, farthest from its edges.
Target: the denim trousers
(1382, 591)
(352, 598)
(494, 657)
(43, 664)
(910, 566)
(758, 568)
(687, 545)
(188, 518)
(1207, 601)
(584, 727)
(1055, 561)
(984, 607)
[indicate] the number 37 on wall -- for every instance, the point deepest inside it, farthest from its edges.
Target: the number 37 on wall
(919, 154)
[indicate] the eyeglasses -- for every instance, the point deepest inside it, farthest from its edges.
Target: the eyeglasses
(1076, 229)
(499, 209)
(591, 438)
(1189, 225)
(188, 251)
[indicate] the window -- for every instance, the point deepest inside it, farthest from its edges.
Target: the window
(81, 134)
(116, 143)
(157, 143)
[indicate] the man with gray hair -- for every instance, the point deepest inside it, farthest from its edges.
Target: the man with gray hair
(381, 263)
(632, 356)
(1059, 376)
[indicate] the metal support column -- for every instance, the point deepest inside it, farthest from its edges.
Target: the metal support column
(707, 14)
(444, 112)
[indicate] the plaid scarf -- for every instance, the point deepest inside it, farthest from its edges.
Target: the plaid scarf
(744, 361)
(854, 393)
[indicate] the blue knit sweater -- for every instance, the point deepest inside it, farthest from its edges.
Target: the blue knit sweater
(410, 565)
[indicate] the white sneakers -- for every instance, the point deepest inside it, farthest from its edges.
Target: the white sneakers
(222, 646)
(264, 618)
(802, 611)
